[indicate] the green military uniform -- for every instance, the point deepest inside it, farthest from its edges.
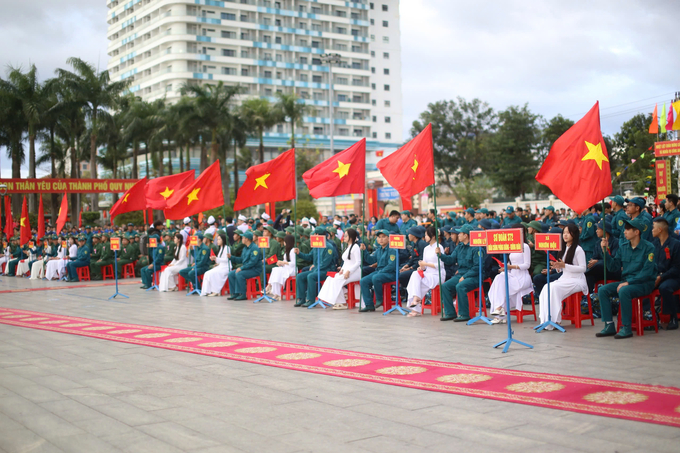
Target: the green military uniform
(251, 266)
(467, 258)
(324, 261)
(588, 239)
(127, 254)
(385, 272)
(170, 249)
(105, 258)
(273, 250)
(202, 264)
(638, 270)
(538, 258)
(157, 261)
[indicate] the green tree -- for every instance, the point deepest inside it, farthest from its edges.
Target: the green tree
(292, 109)
(513, 150)
(12, 127)
(631, 143)
(460, 131)
(259, 114)
(97, 93)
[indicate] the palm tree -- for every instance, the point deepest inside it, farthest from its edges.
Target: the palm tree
(213, 104)
(134, 114)
(12, 128)
(97, 93)
(29, 92)
(260, 114)
(292, 109)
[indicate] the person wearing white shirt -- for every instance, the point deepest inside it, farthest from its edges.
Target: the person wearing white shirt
(332, 289)
(38, 266)
(4, 258)
(519, 283)
(241, 223)
(212, 228)
(571, 263)
(215, 278)
(169, 276)
(428, 275)
(52, 266)
(186, 232)
(283, 270)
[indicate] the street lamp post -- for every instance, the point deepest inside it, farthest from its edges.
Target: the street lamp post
(331, 58)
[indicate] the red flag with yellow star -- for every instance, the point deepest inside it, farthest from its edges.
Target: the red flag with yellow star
(410, 169)
(24, 225)
(134, 199)
(41, 221)
(203, 194)
(268, 182)
(342, 174)
(159, 190)
(577, 167)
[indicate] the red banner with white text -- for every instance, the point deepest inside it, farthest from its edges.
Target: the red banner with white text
(68, 185)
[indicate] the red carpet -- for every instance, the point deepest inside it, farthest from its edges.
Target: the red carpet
(646, 403)
(55, 288)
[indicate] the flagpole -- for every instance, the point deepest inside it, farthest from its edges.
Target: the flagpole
(604, 254)
(439, 263)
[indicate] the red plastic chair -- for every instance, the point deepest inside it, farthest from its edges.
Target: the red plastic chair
(181, 283)
(435, 306)
(83, 273)
(571, 310)
(225, 288)
(638, 321)
(191, 283)
(520, 314)
(387, 296)
(107, 272)
(290, 288)
(352, 300)
(253, 287)
(473, 298)
(128, 270)
(666, 318)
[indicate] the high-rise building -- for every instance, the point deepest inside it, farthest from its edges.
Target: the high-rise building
(270, 46)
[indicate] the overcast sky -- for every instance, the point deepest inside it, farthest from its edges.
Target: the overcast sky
(559, 57)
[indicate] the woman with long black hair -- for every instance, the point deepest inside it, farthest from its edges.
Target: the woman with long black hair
(170, 275)
(331, 292)
(571, 262)
(284, 268)
(215, 278)
(427, 276)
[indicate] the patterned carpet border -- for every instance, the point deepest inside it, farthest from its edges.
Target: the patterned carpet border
(639, 402)
(56, 288)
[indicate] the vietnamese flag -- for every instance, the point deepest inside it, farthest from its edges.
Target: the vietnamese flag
(410, 169)
(134, 199)
(24, 225)
(342, 174)
(41, 221)
(159, 190)
(63, 214)
(577, 167)
(268, 182)
(654, 126)
(80, 218)
(203, 194)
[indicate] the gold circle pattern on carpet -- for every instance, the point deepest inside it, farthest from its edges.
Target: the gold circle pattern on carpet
(298, 356)
(183, 340)
(535, 387)
(218, 344)
(80, 324)
(121, 332)
(464, 378)
(55, 321)
(99, 328)
(347, 363)
(152, 335)
(615, 397)
(401, 370)
(255, 350)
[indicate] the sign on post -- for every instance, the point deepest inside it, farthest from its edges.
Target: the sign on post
(510, 240)
(397, 241)
(115, 244)
(193, 241)
(663, 179)
(478, 238)
(548, 242)
(663, 149)
(153, 243)
(63, 244)
(317, 241)
(262, 242)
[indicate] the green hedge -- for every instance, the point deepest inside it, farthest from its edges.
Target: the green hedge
(90, 218)
(134, 217)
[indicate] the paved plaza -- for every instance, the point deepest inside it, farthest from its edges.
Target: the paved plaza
(70, 393)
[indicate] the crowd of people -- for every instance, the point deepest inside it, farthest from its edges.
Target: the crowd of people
(635, 245)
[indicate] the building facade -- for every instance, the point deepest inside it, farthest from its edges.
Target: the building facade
(270, 46)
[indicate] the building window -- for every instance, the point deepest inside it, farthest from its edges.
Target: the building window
(316, 79)
(385, 24)
(375, 119)
(303, 77)
(386, 71)
(374, 102)
(315, 44)
(388, 119)
(387, 88)
(318, 130)
(244, 54)
(384, 7)
(387, 103)
(386, 55)
(267, 57)
(374, 135)
(344, 132)
(279, 128)
(373, 86)
(303, 60)
(386, 39)
(267, 74)
(372, 37)
(372, 21)
(228, 16)
(277, 40)
(229, 34)
(267, 91)
(316, 61)
(371, 5)
(373, 53)
(388, 136)
(228, 53)
(372, 70)
(267, 39)
(244, 71)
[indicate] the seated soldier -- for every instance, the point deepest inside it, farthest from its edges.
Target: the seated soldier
(323, 260)
(595, 272)
(667, 260)
(635, 260)
(465, 280)
(251, 267)
(415, 236)
(385, 271)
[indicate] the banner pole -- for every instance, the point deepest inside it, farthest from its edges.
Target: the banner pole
(439, 262)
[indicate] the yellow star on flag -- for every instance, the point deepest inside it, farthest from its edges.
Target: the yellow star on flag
(595, 153)
(262, 181)
(193, 196)
(415, 165)
(167, 192)
(342, 170)
(23, 219)
(126, 197)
